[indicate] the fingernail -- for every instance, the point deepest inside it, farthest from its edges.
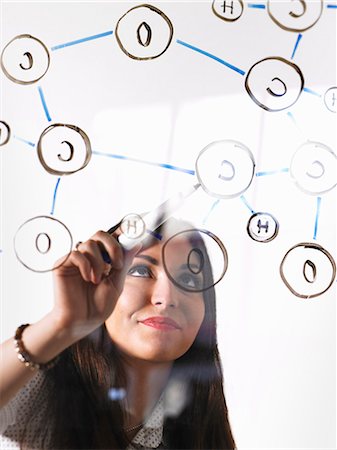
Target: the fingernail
(107, 271)
(97, 278)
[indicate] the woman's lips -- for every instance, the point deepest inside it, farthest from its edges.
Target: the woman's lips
(161, 323)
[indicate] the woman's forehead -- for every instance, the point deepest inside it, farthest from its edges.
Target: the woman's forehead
(179, 251)
(179, 244)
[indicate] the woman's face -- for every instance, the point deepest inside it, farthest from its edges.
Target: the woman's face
(154, 320)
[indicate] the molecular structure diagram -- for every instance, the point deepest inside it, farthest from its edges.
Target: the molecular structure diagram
(224, 169)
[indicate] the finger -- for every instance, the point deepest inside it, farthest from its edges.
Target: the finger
(111, 251)
(91, 250)
(83, 265)
(77, 261)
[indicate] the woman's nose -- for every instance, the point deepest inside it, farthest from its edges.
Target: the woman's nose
(163, 294)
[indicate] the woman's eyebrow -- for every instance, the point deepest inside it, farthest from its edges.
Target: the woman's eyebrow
(148, 258)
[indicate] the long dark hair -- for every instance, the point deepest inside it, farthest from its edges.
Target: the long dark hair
(80, 414)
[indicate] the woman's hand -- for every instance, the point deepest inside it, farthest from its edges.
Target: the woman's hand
(87, 287)
(85, 295)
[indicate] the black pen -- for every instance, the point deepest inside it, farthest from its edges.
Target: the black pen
(104, 253)
(151, 220)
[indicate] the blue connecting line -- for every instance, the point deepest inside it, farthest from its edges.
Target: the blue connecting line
(24, 140)
(54, 197)
(246, 203)
(256, 6)
(318, 208)
(203, 52)
(209, 212)
(290, 114)
(79, 41)
(272, 172)
(127, 158)
(309, 91)
(44, 104)
(331, 6)
(154, 234)
(299, 37)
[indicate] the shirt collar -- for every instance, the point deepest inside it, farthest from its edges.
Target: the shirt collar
(151, 434)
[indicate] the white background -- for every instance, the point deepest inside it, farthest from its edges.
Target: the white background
(278, 350)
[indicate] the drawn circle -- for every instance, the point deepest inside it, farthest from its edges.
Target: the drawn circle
(274, 83)
(228, 12)
(63, 149)
(25, 59)
(46, 243)
(200, 270)
(225, 169)
(308, 270)
(133, 226)
(314, 168)
(144, 32)
(262, 227)
(40, 242)
(297, 15)
(5, 133)
(330, 99)
(195, 267)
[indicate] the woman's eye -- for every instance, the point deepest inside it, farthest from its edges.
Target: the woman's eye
(140, 271)
(190, 281)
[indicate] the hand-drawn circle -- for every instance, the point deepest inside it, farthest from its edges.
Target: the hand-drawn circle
(72, 149)
(144, 43)
(225, 169)
(313, 168)
(300, 272)
(147, 41)
(41, 256)
(25, 59)
(313, 268)
(215, 261)
(295, 16)
(133, 226)
(5, 133)
(272, 92)
(45, 237)
(330, 99)
(201, 261)
(262, 227)
(235, 10)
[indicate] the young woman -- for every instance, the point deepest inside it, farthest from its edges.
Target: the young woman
(126, 358)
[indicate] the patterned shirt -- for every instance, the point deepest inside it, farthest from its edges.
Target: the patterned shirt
(12, 418)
